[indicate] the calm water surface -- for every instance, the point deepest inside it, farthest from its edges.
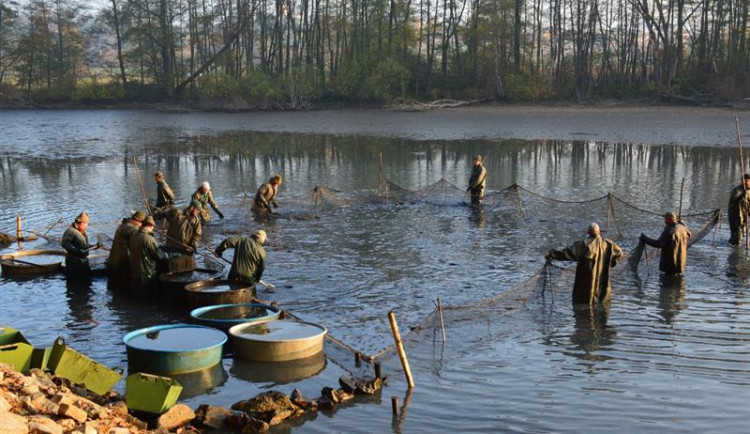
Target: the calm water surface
(666, 356)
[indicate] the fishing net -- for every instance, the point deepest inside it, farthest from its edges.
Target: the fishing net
(518, 211)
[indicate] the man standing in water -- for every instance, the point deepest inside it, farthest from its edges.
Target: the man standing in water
(673, 243)
(118, 263)
(144, 252)
(249, 256)
(477, 181)
(185, 229)
(75, 241)
(164, 194)
(266, 195)
(595, 256)
(204, 197)
(738, 209)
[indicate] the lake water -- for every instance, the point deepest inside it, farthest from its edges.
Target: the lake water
(665, 356)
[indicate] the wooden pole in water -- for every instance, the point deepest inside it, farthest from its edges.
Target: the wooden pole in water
(440, 315)
(394, 405)
(400, 348)
(742, 179)
(682, 188)
(140, 186)
(18, 231)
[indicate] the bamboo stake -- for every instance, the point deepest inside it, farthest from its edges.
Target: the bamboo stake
(400, 347)
(440, 315)
(18, 232)
(682, 187)
(140, 186)
(742, 180)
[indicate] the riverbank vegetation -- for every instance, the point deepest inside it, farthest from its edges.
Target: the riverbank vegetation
(290, 54)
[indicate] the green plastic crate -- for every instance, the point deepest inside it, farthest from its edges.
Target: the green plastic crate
(18, 355)
(151, 393)
(14, 349)
(40, 357)
(68, 363)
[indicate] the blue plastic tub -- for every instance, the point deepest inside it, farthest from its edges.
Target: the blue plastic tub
(173, 349)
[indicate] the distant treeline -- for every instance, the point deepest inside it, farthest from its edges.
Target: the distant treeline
(289, 53)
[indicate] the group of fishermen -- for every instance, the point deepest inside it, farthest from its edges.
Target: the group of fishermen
(595, 255)
(135, 253)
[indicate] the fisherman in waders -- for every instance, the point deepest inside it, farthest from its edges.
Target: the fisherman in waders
(184, 228)
(118, 263)
(673, 243)
(266, 196)
(477, 181)
(738, 209)
(595, 256)
(249, 257)
(75, 241)
(164, 194)
(144, 253)
(204, 197)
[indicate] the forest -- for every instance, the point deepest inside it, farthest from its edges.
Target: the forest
(289, 54)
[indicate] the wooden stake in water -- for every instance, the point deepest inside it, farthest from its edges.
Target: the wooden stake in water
(440, 315)
(742, 179)
(140, 186)
(18, 232)
(682, 188)
(400, 348)
(394, 405)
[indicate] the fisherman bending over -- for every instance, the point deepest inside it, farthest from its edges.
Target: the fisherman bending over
(184, 231)
(118, 263)
(595, 256)
(477, 180)
(204, 197)
(75, 241)
(249, 256)
(164, 194)
(738, 209)
(144, 253)
(266, 195)
(673, 243)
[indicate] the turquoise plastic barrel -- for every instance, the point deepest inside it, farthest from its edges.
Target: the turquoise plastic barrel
(173, 349)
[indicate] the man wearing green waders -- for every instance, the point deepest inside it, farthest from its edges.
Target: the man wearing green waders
(595, 256)
(477, 180)
(144, 252)
(249, 256)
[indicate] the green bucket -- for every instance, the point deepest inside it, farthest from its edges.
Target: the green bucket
(68, 363)
(151, 393)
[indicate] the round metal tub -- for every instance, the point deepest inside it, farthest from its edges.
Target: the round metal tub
(173, 349)
(210, 292)
(277, 341)
(174, 283)
(225, 316)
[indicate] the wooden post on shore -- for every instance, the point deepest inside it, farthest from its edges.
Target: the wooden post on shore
(400, 348)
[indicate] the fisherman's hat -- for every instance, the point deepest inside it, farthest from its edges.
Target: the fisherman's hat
(206, 185)
(149, 221)
(670, 215)
(83, 218)
(260, 236)
(138, 216)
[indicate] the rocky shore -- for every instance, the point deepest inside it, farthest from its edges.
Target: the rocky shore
(42, 403)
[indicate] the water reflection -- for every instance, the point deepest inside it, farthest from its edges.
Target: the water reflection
(201, 382)
(591, 331)
(79, 293)
(738, 268)
(671, 296)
